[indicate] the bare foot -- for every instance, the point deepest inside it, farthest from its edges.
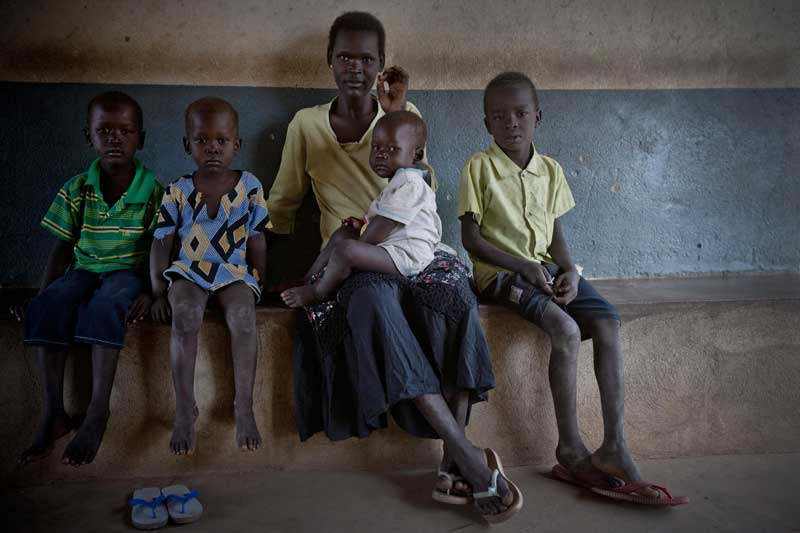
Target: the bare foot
(183, 435)
(476, 472)
(458, 487)
(300, 296)
(82, 449)
(247, 436)
(51, 428)
(617, 461)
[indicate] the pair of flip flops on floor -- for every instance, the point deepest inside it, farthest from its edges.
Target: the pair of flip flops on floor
(152, 508)
(613, 487)
(454, 497)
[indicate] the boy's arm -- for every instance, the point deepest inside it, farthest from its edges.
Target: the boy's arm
(476, 245)
(60, 258)
(378, 229)
(256, 256)
(566, 284)
(160, 255)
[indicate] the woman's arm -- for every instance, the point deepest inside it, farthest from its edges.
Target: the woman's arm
(291, 184)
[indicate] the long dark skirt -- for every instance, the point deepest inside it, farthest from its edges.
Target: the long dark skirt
(385, 341)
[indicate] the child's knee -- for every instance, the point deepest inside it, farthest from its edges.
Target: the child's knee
(241, 318)
(343, 251)
(565, 334)
(187, 317)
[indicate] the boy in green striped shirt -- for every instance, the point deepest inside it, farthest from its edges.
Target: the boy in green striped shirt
(95, 282)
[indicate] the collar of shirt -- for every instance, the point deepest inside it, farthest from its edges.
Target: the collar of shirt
(506, 167)
(367, 134)
(139, 190)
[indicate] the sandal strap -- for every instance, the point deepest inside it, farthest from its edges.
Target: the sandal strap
(183, 499)
(630, 488)
(152, 504)
(491, 492)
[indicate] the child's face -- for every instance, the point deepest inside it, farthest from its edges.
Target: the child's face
(355, 62)
(511, 117)
(212, 139)
(114, 133)
(392, 149)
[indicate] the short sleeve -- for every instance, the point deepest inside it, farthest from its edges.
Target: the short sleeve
(169, 212)
(562, 195)
(259, 215)
(402, 203)
(63, 217)
(470, 193)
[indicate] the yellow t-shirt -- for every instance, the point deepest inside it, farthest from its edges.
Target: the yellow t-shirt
(515, 208)
(339, 173)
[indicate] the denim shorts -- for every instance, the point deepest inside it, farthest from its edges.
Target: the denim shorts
(84, 307)
(513, 290)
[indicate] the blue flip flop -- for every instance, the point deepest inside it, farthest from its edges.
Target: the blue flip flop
(182, 504)
(147, 509)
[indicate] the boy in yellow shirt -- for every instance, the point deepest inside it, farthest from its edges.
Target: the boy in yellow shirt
(510, 200)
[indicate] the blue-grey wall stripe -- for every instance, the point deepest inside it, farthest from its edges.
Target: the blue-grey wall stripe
(667, 182)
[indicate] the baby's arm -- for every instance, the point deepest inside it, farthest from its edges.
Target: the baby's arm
(475, 244)
(257, 255)
(160, 255)
(378, 229)
(566, 284)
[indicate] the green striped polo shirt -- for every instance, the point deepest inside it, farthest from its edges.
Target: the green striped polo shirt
(106, 238)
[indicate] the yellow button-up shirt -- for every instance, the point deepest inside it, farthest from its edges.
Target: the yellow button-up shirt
(339, 173)
(515, 208)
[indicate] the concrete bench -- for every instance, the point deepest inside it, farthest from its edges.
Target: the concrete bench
(712, 367)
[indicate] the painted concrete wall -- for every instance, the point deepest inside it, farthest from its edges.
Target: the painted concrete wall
(668, 180)
(446, 44)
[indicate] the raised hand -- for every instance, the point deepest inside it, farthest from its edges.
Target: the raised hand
(392, 87)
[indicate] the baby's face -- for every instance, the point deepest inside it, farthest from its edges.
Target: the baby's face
(114, 133)
(392, 148)
(212, 139)
(511, 117)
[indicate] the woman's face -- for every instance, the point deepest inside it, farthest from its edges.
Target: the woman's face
(355, 62)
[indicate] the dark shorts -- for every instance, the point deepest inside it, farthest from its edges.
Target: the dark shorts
(83, 307)
(514, 291)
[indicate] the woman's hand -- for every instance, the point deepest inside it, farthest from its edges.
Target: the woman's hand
(392, 87)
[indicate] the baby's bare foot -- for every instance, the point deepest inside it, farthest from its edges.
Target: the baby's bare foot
(183, 434)
(83, 448)
(247, 436)
(51, 428)
(618, 462)
(300, 296)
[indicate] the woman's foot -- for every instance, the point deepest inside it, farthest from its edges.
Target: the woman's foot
(247, 436)
(453, 483)
(477, 473)
(83, 448)
(617, 461)
(51, 428)
(300, 296)
(183, 434)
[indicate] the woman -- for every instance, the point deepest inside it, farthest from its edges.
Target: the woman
(360, 356)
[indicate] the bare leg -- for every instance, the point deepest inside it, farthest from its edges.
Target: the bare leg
(345, 232)
(55, 422)
(565, 340)
(345, 256)
(238, 305)
(188, 302)
(458, 402)
(470, 459)
(83, 448)
(613, 456)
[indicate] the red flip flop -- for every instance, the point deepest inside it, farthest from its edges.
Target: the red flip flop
(587, 480)
(627, 493)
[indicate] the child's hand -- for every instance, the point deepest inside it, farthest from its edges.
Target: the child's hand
(160, 310)
(139, 309)
(538, 276)
(566, 287)
(354, 222)
(392, 87)
(17, 310)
